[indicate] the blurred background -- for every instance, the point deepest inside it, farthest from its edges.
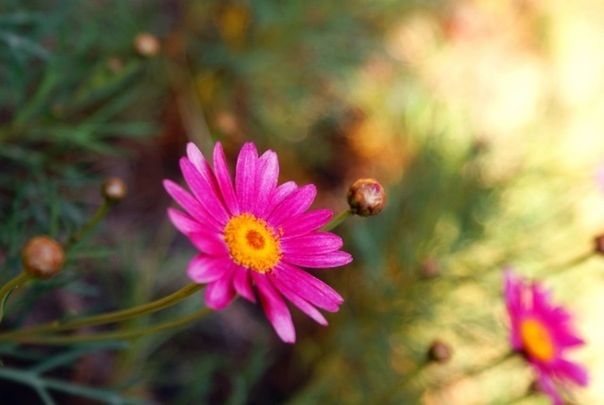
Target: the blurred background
(484, 119)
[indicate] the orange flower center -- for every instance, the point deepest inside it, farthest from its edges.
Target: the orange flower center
(252, 243)
(537, 339)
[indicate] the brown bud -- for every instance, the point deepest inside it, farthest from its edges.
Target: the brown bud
(430, 268)
(366, 197)
(599, 244)
(146, 44)
(113, 190)
(440, 352)
(42, 257)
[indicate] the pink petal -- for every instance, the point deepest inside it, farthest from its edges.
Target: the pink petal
(206, 269)
(306, 223)
(267, 174)
(548, 388)
(312, 244)
(280, 194)
(242, 283)
(275, 309)
(183, 222)
(195, 156)
(306, 286)
(208, 242)
(571, 371)
(327, 260)
(203, 191)
(294, 204)
(303, 305)
(220, 293)
(223, 178)
(245, 176)
(190, 204)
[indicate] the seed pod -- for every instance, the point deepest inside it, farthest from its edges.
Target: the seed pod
(113, 190)
(440, 352)
(146, 44)
(366, 197)
(42, 257)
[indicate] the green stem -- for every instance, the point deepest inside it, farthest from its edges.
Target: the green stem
(111, 317)
(570, 264)
(90, 225)
(119, 335)
(337, 220)
(9, 287)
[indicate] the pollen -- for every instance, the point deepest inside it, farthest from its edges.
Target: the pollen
(537, 340)
(252, 243)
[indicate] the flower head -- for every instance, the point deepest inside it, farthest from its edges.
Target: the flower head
(542, 332)
(255, 235)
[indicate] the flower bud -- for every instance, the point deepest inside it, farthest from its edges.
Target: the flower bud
(42, 257)
(146, 44)
(113, 190)
(440, 352)
(599, 244)
(366, 197)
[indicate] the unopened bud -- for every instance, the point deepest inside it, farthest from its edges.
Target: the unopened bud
(42, 257)
(440, 352)
(366, 197)
(599, 244)
(113, 189)
(430, 268)
(146, 44)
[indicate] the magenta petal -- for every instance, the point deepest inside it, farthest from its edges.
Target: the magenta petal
(203, 191)
(223, 178)
(306, 223)
(220, 293)
(243, 285)
(294, 204)
(195, 156)
(245, 176)
(327, 260)
(280, 193)
(548, 388)
(205, 269)
(571, 371)
(307, 286)
(303, 305)
(315, 243)
(208, 242)
(190, 204)
(275, 309)
(183, 222)
(267, 175)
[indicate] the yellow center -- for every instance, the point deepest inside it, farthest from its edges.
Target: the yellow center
(252, 243)
(537, 340)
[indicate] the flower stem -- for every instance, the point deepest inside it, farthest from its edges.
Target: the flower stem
(110, 317)
(90, 225)
(119, 335)
(7, 288)
(337, 220)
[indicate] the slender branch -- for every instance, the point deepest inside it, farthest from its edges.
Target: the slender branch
(90, 225)
(119, 335)
(7, 288)
(111, 317)
(337, 220)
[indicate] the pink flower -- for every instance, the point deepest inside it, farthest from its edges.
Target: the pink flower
(542, 332)
(254, 236)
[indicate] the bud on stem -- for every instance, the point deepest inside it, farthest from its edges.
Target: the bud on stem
(366, 197)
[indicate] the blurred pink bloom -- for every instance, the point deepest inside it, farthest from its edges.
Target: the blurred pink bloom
(542, 332)
(599, 176)
(254, 236)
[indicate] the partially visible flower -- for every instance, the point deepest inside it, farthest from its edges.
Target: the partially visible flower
(542, 332)
(114, 189)
(254, 236)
